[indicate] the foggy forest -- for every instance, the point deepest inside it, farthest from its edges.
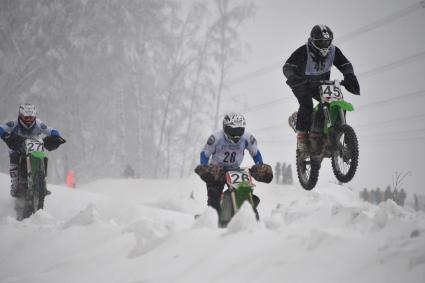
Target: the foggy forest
(125, 82)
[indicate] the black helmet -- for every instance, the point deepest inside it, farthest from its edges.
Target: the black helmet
(320, 40)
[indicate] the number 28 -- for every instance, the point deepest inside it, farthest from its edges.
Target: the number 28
(229, 157)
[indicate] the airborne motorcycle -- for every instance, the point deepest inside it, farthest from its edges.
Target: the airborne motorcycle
(32, 172)
(330, 137)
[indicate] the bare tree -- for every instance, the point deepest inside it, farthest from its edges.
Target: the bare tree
(227, 43)
(397, 180)
(124, 81)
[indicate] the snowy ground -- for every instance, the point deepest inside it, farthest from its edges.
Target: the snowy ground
(144, 231)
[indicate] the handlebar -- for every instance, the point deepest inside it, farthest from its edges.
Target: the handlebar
(16, 142)
(331, 82)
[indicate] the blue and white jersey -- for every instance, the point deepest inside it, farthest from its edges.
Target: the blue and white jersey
(39, 128)
(228, 154)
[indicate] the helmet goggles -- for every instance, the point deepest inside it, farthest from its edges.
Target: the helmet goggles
(27, 119)
(234, 134)
(321, 43)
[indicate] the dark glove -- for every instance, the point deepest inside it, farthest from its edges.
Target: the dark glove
(295, 81)
(53, 142)
(210, 174)
(13, 141)
(262, 173)
(351, 83)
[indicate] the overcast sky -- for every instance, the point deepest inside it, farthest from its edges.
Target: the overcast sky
(384, 40)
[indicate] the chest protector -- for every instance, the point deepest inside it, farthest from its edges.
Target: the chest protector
(317, 68)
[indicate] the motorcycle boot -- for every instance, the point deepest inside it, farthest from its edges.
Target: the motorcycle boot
(292, 121)
(302, 141)
(316, 142)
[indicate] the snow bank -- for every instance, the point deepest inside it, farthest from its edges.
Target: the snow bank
(208, 219)
(244, 221)
(145, 231)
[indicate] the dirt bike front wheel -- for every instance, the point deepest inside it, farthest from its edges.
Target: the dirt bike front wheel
(40, 188)
(307, 170)
(35, 200)
(227, 210)
(345, 157)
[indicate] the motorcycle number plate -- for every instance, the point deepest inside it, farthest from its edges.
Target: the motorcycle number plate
(237, 177)
(33, 145)
(329, 93)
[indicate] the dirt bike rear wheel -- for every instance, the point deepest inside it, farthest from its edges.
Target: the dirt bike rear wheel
(307, 170)
(345, 158)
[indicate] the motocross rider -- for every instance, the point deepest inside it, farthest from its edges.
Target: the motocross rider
(226, 149)
(27, 126)
(309, 64)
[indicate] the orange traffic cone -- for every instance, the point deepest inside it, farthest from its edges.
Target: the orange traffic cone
(70, 179)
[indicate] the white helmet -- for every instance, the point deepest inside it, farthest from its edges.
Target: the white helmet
(27, 115)
(234, 126)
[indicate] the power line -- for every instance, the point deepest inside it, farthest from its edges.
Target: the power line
(379, 133)
(266, 104)
(386, 140)
(270, 127)
(262, 71)
(416, 94)
(381, 22)
(366, 74)
(368, 135)
(396, 120)
(400, 62)
(366, 138)
(419, 93)
(376, 134)
(392, 132)
(412, 117)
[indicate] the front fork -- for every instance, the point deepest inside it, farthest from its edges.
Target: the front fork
(30, 177)
(330, 128)
(30, 184)
(234, 202)
(233, 196)
(328, 121)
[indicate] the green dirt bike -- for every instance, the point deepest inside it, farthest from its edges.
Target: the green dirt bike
(239, 188)
(330, 137)
(32, 172)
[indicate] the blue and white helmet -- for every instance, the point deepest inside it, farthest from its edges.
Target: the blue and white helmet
(234, 126)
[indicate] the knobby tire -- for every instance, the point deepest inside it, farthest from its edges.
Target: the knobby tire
(352, 145)
(307, 182)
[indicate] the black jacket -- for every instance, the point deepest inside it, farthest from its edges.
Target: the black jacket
(295, 70)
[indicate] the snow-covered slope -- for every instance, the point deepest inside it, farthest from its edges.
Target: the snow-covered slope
(144, 231)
